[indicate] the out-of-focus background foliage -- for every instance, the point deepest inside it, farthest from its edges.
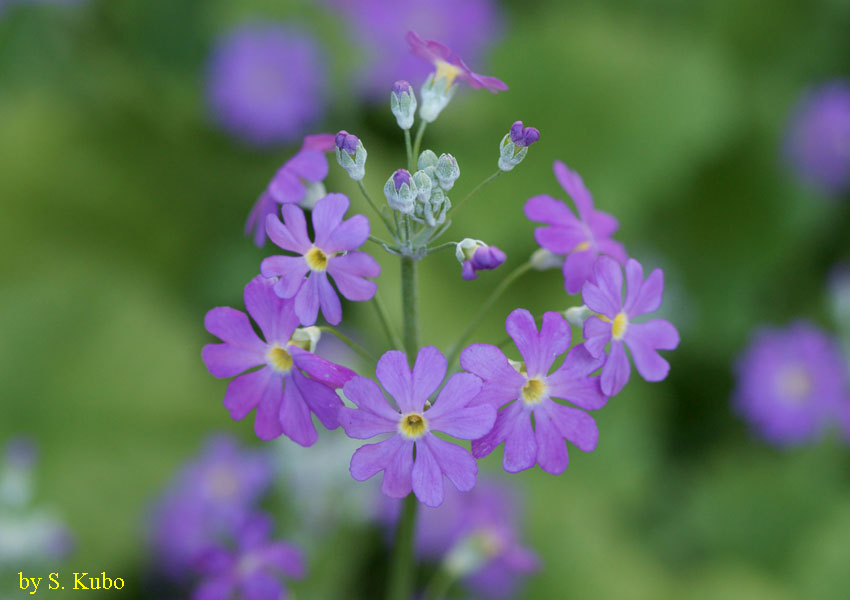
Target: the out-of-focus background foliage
(121, 215)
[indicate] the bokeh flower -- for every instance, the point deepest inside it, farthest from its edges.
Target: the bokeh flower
(791, 383)
(292, 383)
(298, 181)
(412, 426)
(817, 144)
(613, 323)
(581, 238)
(528, 393)
(332, 253)
(266, 83)
(450, 66)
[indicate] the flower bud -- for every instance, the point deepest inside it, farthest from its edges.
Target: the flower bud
(524, 136)
(403, 104)
(577, 315)
(514, 145)
(436, 95)
(351, 155)
(401, 192)
(306, 338)
(542, 260)
(447, 171)
(475, 255)
(315, 192)
(431, 209)
(427, 159)
(423, 183)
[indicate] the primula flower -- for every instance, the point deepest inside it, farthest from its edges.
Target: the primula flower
(524, 136)
(817, 144)
(450, 66)
(791, 383)
(475, 255)
(412, 424)
(266, 83)
(332, 253)
(253, 568)
(581, 238)
(296, 182)
(207, 499)
(281, 390)
(530, 393)
(613, 323)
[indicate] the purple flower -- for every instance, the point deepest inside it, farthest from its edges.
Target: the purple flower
(581, 239)
(281, 390)
(524, 136)
(412, 425)
(613, 323)
(817, 144)
(347, 142)
(333, 253)
(253, 568)
(475, 255)
(791, 383)
(449, 65)
(207, 499)
(402, 87)
(290, 183)
(529, 392)
(468, 26)
(266, 83)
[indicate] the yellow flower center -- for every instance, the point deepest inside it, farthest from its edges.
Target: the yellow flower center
(413, 425)
(533, 391)
(794, 383)
(446, 71)
(582, 246)
(316, 259)
(618, 328)
(279, 359)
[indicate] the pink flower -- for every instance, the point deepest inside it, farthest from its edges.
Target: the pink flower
(449, 65)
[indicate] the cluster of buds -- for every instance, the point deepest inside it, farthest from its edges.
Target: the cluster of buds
(514, 145)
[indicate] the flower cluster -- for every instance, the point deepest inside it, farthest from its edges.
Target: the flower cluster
(423, 415)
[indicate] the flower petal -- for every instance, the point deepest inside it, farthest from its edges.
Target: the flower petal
(574, 186)
(551, 447)
(256, 221)
(217, 588)
(561, 239)
(276, 317)
(454, 461)
(290, 269)
(642, 296)
(284, 557)
(394, 374)
(227, 360)
(373, 458)
(427, 478)
(307, 301)
(571, 383)
(320, 369)
(286, 187)
(349, 235)
(554, 339)
(574, 425)
(520, 445)
(615, 372)
(609, 279)
(349, 271)
(327, 215)
(308, 164)
(232, 326)
(502, 383)
(597, 333)
(247, 391)
(290, 235)
(602, 224)
(615, 250)
(459, 390)
(428, 373)
(521, 327)
(372, 417)
(329, 301)
(643, 339)
(260, 586)
(578, 269)
(546, 209)
(505, 421)
(320, 399)
(295, 416)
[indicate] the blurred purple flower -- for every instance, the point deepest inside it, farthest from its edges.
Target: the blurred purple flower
(207, 499)
(298, 178)
(333, 253)
(791, 383)
(283, 396)
(613, 323)
(451, 66)
(266, 83)
(470, 27)
(252, 568)
(528, 394)
(581, 238)
(412, 425)
(817, 143)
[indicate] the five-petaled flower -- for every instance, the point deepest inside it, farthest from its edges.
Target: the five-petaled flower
(333, 253)
(529, 392)
(581, 238)
(252, 568)
(450, 66)
(295, 182)
(281, 390)
(613, 323)
(413, 424)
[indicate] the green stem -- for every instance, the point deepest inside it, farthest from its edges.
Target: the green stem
(439, 585)
(409, 307)
(401, 568)
(350, 343)
(419, 133)
(373, 205)
(482, 312)
(474, 191)
(381, 310)
(382, 243)
(411, 160)
(445, 246)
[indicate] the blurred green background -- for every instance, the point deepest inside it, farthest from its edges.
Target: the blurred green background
(121, 214)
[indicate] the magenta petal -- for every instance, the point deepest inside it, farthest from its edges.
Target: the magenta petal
(348, 272)
(615, 372)
(367, 396)
(292, 234)
(597, 333)
(574, 425)
(276, 317)
(308, 164)
(327, 215)
(551, 447)
(246, 391)
(642, 296)
(454, 461)
(427, 479)
(329, 301)
(505, 421)
(520, 445)
(502, 383)
(371, 459)
(554, 339)
(459, 390)
(615, 250)
(372, 417)
(321, 400)
(643, 339)
(574, 186)
(394, 374)
(227, 360)
(602, 224)
(218, 588)
(261, 586)
(428, 373)
(570, 381)
(295, 418)
(232, 326)
(307, 301)
(267, 419)
(578, 269)
(561, 239)
(290, 269)
(256, 222)
(546, 209)
(468, 423)
(609, 279)
(320, 369)
(351, 234)
(286, 187)
(521, 327)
